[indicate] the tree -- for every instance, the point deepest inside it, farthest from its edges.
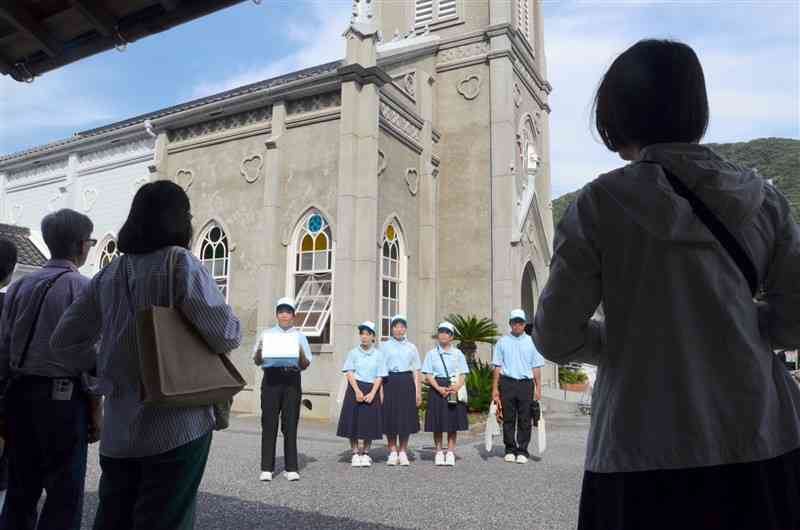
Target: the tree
(470, 331)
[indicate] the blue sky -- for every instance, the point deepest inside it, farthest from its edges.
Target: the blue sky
(750, 52)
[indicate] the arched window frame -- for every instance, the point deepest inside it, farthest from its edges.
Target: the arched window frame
(393, 284)
(104, 255)
(218, 265)
(310, 264)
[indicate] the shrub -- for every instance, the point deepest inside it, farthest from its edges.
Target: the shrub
(568, 376)
(479, 386)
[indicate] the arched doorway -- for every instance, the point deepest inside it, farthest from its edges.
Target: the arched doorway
(530, 291)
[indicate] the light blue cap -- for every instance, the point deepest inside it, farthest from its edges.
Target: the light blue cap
(447, 326)
(518, 314)
(285, 301)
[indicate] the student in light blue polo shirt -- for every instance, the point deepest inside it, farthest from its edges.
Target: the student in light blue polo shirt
(445, 367)
(517, 364)
(361, 419)
(281, 393)
(402, 391)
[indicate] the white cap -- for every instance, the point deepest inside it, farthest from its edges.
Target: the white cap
(285, 301)
(401, 318)
(448, 326)
(518, 314)
(367, 325)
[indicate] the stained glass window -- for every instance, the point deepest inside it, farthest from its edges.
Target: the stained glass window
(390, 278)
(313, 276)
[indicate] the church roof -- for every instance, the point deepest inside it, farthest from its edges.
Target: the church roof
(27, 252)
(299, 75)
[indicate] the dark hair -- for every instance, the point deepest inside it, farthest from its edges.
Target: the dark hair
(8, 258)
(654, 92)
(159, 217)
(64, 231)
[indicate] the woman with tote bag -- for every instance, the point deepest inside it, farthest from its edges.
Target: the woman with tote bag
(695, 424)
(152, 458)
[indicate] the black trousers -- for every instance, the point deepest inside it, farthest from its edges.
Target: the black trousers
(280, 397)
(156, 492)
(516, 397)
(47, 448)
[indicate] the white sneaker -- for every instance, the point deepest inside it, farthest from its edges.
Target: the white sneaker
(356, 460)
(450, 460)
(522, 459)
(292, 476)
(404, 459)
(366, 461)
(266, 476)
(510, 458)
(392, 460)
(439, 459)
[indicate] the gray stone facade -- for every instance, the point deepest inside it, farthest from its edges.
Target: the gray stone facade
(437, 131)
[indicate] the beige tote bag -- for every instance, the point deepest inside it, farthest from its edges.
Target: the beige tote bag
(178, 369)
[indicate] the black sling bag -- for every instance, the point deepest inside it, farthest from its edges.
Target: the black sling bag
(718, 229)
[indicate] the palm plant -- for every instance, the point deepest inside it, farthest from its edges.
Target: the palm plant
(470, 331)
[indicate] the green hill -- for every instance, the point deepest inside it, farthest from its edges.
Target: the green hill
(775, 158)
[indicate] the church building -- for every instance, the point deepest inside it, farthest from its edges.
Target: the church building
(412, 177)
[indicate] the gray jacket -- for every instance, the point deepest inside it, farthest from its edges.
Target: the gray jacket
(686, 374)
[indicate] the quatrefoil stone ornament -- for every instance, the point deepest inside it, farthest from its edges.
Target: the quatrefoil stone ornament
(470, 87)
(250, 168)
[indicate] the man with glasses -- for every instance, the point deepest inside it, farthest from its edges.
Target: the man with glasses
(49, 418)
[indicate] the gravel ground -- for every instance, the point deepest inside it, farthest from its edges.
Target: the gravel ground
(481, 492)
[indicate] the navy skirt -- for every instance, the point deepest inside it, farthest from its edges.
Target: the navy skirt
(360, 421)
(442, 416)
(400, 417)
(761, 495)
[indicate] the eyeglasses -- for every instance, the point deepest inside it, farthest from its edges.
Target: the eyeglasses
(92, 242)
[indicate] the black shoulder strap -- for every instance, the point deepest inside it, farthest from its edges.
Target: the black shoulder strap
(446, 371)
(720, 231)
(32, 330)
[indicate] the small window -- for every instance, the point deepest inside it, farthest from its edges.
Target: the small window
(215, 256)
(108, 253)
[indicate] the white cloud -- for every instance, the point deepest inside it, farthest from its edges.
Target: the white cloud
(752, 80)
(317, 35)
(53, 102)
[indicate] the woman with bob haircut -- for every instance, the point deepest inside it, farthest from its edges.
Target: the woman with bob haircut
(695, 424)
(152, 458)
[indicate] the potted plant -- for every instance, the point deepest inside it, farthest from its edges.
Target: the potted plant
(573, 380)
(471, 330)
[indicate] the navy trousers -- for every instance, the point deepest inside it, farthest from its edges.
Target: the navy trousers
(47, 445)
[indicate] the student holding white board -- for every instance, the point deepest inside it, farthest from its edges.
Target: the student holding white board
(283, 352)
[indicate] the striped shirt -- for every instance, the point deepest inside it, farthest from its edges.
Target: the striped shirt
(19, 316)
(131, 429)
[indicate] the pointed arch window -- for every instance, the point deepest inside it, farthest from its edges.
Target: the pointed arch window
(313, 276)
(392, 270)
(108, 253)
(215, 256)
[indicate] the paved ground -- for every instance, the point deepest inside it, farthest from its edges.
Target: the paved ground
(481, 492)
